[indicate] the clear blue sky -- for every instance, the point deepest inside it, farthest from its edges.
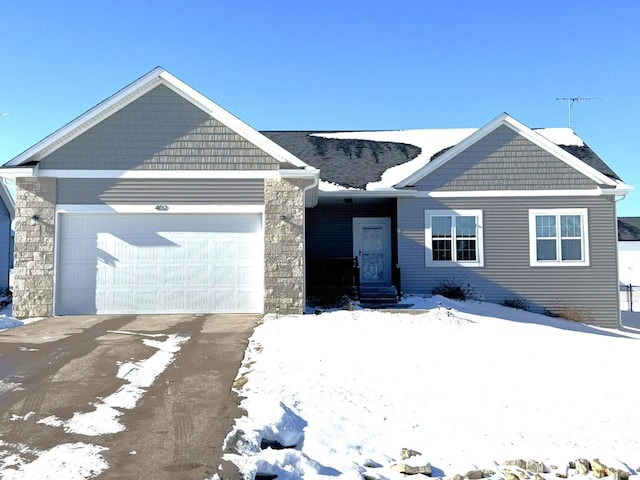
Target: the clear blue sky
(336, 64)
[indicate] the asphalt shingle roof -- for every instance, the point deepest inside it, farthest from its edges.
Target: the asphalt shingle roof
(589, 157)
(350, 163)
(629, 229)
(355, 163)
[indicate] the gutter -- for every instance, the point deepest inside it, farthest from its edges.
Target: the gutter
(386, 193)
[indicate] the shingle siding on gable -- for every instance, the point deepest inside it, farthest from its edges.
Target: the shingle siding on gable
(159, 131)
(507, 271)
(504, 160)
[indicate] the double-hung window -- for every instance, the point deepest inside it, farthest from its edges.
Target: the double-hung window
(453, 237)
(558, 237)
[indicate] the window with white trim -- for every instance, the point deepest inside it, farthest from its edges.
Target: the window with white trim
(453, 237)
(558, 237)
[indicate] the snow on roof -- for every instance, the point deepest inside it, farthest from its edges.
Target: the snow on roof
(430, 141)
(325, 186)
(560, 136)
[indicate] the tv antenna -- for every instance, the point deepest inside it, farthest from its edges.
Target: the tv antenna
(571, 100)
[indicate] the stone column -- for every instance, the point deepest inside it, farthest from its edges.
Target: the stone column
(33, 270)
(284, 246)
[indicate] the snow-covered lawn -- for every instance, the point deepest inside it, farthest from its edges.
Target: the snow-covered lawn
(468, 385)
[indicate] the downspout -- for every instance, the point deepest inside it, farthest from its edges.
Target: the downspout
(316, 181)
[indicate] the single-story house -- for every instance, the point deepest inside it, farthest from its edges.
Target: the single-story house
(7, 212)
(157, 200)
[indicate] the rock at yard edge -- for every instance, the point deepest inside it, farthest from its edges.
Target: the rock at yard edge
(599, 469)
(534, 466)
(583, 466)
(406, 453)
(409, 470)
(474, 475)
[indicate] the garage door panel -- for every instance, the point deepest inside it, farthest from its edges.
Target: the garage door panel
(174, 275)
(197, 275)
(124, 263)
(175, 301)
(197, 301)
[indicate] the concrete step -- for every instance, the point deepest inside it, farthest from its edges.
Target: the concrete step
(378, 296)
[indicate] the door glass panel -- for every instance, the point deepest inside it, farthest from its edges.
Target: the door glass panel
(372, 266)
(372, 240)
(372, 245)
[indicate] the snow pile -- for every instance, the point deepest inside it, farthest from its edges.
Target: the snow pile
(430, 141)
(9, 322)
(469, 385)
(71, 461)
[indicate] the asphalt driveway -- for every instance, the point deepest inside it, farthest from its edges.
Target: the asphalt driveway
(62, 367)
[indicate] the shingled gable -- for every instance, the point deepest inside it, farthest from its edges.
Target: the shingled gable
(605, 181)
(137, 89)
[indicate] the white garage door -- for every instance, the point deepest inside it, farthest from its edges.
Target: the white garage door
(159, 263)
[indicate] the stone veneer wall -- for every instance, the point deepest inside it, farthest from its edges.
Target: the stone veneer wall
(284, 246)
(34, 246)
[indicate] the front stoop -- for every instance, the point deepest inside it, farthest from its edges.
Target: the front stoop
(382, 296)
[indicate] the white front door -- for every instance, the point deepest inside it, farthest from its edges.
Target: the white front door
(372, 246)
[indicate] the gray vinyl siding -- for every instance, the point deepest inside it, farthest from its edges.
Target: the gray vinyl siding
(329, 225)
(592, 289)
(5, 247)
(504, 160)
(159, 131)
(100, 191)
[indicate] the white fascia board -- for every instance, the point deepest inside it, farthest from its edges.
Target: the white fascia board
(88, 119)
(452, 152)
(506, 120)
(18, 172)
(592, 192)
(159, 173)
(134, 91)
(167, 209)
(391, 193)
(623, 189)
(299, 173)
(230, 120)
(557, 151)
